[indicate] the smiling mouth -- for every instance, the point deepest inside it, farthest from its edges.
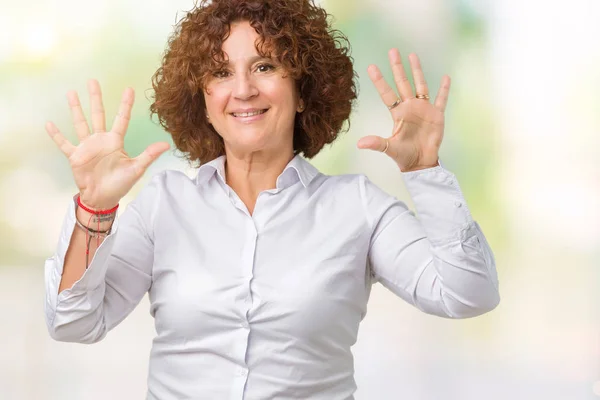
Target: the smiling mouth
(249, 114)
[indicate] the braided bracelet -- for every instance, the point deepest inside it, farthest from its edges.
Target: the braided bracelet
(91, 232)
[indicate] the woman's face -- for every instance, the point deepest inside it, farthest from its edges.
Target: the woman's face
(249, 103)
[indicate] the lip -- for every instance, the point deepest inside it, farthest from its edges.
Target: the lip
(252, 118)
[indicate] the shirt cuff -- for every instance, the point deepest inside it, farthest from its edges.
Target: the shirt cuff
(439, 201)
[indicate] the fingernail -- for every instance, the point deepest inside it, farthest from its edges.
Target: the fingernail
(374, 71)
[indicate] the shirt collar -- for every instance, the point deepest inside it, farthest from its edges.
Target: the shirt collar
(206, 171)
(297, 169)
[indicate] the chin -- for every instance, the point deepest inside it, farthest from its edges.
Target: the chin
(251, 142)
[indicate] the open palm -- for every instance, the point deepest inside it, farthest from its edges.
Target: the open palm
(102, 170)
(418, 124)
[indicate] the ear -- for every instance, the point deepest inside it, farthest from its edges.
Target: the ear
(300, 106)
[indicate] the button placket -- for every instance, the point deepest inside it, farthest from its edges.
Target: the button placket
(247, 269)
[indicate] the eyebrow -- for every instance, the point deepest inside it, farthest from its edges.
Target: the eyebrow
(255, 59)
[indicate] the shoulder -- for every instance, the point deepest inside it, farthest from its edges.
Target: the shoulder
(158, 189)
(162, 183)
(353, 187)
(344, 187)
(358, 184)
(367, 196)
(339, 182)
(173, 176)
(169, 180)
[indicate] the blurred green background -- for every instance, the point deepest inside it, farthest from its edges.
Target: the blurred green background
(522, 136)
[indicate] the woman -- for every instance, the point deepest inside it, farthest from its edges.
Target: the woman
(259, 269)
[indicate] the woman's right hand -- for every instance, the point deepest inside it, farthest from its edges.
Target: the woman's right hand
(103, 171)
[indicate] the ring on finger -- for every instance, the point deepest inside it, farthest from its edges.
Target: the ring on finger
(394, 104)
(422, 96)
(387, 144)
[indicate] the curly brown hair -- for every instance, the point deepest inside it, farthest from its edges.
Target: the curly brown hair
(296, 33)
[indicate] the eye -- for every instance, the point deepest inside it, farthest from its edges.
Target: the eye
(222, 73)
(264, 67)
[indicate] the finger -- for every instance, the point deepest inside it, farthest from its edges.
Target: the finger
(386, 93)
(400, 77)
(442, 97)
(148, 156)
(63, 144)
(98, 116)
(121, 121)
(418, 76)
(81, 126)
(376, 143)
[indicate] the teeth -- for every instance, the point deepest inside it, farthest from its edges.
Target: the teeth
(248, 114)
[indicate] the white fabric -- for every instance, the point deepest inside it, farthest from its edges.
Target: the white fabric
(267, 306)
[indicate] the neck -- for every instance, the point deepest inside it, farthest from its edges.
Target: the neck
(251, 174)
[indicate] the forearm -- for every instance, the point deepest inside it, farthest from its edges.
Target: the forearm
(439, 260)
(462, 257)
(455, 278)
(75, 295)
(76, 259)
(463, 275)
(439, 202)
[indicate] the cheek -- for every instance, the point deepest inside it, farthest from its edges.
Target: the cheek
(286, 96)
(216, 100)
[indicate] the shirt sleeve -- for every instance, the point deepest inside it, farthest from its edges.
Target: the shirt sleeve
(119, 274)
(439, 262)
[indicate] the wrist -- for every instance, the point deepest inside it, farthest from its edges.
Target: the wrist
(91, 228)
(93, 220)
(418, 168)
(95, 209)
(88, 218)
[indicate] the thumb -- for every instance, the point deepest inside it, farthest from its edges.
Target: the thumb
(376, 143)
(151, 153)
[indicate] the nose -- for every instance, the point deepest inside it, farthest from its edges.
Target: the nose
(245, 87)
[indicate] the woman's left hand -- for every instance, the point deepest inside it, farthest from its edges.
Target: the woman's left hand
(418, 124)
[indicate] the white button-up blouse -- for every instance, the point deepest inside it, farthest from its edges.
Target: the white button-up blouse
(267, 306)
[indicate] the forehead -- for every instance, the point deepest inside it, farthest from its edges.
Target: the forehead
(241, 43)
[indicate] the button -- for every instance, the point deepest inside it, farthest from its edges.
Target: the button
(458, 204)
(242, 371)
(245, 324)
